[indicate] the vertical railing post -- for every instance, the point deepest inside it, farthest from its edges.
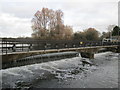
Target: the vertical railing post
(2, 46)
(6, 47)
(14, 47)
(22, 46)
(1, 58)
(30, 47)
(45, 47)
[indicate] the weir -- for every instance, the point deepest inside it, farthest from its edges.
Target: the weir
(39, 59)
(27, 58)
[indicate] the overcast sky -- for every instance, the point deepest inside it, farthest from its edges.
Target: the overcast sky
(16, 15)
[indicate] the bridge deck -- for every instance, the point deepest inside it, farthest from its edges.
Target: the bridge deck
(61, 50)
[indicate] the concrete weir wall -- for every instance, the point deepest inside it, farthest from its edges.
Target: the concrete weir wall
(39, 59)
(87, 55)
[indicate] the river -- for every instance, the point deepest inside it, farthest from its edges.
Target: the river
(65, 73)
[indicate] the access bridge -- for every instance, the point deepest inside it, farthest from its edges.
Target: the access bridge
(13, 50)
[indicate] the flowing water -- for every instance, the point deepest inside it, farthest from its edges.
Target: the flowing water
(102, 72)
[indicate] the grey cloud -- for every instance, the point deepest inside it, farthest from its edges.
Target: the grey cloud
(78, 14)
(11, 26)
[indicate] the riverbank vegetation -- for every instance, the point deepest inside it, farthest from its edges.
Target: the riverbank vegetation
(49, 24)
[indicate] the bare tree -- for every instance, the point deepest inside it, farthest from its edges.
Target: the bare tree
(41, 23)
(49, 24)
(68, 32)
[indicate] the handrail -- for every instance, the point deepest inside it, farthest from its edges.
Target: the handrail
(10, 45)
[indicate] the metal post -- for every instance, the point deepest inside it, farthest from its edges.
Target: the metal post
(2, 46)
(14, 47)
(118, 36)
(22, 46)
(6, 47)
(30, 47)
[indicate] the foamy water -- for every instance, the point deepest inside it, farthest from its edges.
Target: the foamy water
(26, 76)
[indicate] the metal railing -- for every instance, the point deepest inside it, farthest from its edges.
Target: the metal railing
(10, 45)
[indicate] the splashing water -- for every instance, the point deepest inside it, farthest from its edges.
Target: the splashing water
(64, 69)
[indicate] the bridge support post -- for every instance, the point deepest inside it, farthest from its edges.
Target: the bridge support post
(118, 49)
(87, 55)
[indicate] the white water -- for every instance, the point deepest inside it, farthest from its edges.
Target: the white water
(62, 69)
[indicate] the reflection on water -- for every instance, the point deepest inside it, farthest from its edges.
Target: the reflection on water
(56, 73)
